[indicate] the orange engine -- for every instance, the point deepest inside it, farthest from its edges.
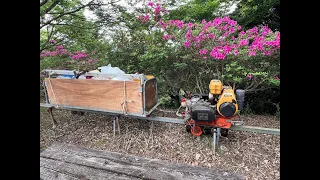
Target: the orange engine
(216, 110)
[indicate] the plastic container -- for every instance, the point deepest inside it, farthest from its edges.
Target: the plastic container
(111, 70)
(215, 87)
(240, 94)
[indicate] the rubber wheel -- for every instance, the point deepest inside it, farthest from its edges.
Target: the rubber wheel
(196, 130)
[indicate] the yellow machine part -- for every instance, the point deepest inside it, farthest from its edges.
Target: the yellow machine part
(227, 96)
(215, 87)
(149, 76)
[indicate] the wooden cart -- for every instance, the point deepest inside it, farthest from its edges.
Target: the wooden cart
(138, 97)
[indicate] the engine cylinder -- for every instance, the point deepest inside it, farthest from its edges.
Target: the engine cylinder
(227, 109)
(203, 113)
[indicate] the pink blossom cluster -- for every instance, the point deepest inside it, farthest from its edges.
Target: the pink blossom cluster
(223, 35)
(91, 61)
(60, 50)
(157, 11)
(78, 55)
(52, 41)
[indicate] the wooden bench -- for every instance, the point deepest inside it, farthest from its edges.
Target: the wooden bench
(62, 161)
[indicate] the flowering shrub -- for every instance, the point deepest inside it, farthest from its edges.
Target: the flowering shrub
(244, 54)
(80, 60)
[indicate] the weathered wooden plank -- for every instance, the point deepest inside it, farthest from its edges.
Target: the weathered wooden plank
(101, 94)
(61, 161)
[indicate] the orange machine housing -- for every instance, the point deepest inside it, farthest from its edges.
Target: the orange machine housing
(225, 95)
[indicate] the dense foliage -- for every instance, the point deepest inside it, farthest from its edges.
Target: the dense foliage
(184, 54)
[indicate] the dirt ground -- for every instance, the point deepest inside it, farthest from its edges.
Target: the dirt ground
(256, 156)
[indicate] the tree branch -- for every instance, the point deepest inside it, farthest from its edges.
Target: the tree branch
(66, 13)
(50, 7)
(43, 2)
(44, 46)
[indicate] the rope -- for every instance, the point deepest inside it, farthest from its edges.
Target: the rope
(124, 104)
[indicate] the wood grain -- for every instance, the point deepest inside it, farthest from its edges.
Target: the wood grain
(62, 161)
(100, 94)
(151, 96)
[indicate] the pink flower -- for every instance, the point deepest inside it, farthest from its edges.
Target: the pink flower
(217, 21)
(236, 52)
(252, 53)
(157, 10)
(146, 18)
(231, 30)
(276, 78)
(163, 25)
(166, 11)
(232, 38)
(266, 31)
(243, 42)
(180, 24)
(225, 34)
(59, 47)
(198, 45)
(151, 4)
(197, 39)
(52, 41)
(165, 36)
(249, 76)
(211, 36)
(227, 49)
(278, 36)
(187, 44)
(188, 34)
(203, 51)
(225, 27)
(267, 53)
(217, 53)
(232, 22)
(226, 19)
(203, 21)
(201, 36)
(90, 61)
(239, 28)
(189, 24)
(204, 57)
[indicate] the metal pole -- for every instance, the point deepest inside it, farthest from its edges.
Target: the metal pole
(114, 127)
(218, 136)
(214, 141)
(117, 119)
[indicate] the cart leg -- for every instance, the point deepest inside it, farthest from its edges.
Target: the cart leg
(114, 127)
(218, 136)
(214, 134)
(117, 120)
(54, 122)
